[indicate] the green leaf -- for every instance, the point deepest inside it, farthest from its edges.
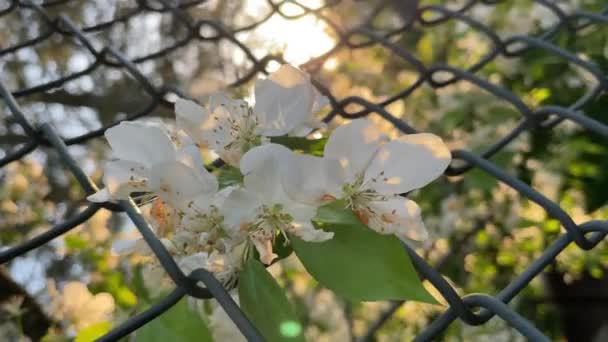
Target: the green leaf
(425, 49)
(179, 324)
(310, 146)
(334, 213)
(358, 263)
(138, 284)
(125, 297)
(75, 242)
(229, 175)
(93, 332)
(281, 247)
(266, 305)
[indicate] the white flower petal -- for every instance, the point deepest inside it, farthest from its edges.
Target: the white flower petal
(201, 123)
(123, 246)
(139, 142)
(224, 127)
(398, 215)
(210, 125)
(178, 184)
(100, 196)
(190, 155)
(190, 116)
(302, 226)
(122, 177)
(221, 196)
(237, 108)
(239, 208)
(262, 167)
(258, 156)
(137, 246)
(320, 101)
(408, 163)
(284, 100)
(311, 179)
(306, 128)
(312, 122)
(307, 232)
(354, 145)
(193, 262)
(217, 132)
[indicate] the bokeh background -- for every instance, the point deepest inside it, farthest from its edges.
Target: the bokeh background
(490, 232)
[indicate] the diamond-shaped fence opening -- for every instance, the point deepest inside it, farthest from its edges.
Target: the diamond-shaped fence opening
(92, 41)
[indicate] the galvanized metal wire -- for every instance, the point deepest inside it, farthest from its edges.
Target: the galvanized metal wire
(474, 309)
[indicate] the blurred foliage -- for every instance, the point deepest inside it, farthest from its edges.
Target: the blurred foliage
(507, 231)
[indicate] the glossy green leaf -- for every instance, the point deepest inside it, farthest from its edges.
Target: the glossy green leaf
(358, 263)
(179, 324)
(334, 213)
(310, 146)
(266, 305)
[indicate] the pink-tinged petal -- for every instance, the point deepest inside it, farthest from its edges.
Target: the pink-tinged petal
(397, 215)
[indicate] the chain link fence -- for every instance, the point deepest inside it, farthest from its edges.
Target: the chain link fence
(473, 309)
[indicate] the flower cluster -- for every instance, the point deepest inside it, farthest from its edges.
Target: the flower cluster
(204, 225)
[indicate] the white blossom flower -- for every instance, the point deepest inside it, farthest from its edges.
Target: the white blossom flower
(196, 235)
(148, 160)
(288, 99)
(362, 168)
(265, 206)
(224, 266)
(79, 306)
(285, 104)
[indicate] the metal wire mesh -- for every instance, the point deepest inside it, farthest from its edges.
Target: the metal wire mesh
(475, 309)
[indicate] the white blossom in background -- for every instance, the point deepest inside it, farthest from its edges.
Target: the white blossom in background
(284, 104)
(361, 167)
(221, 325)
(495, 330)
(149, 160)
(78, 306)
